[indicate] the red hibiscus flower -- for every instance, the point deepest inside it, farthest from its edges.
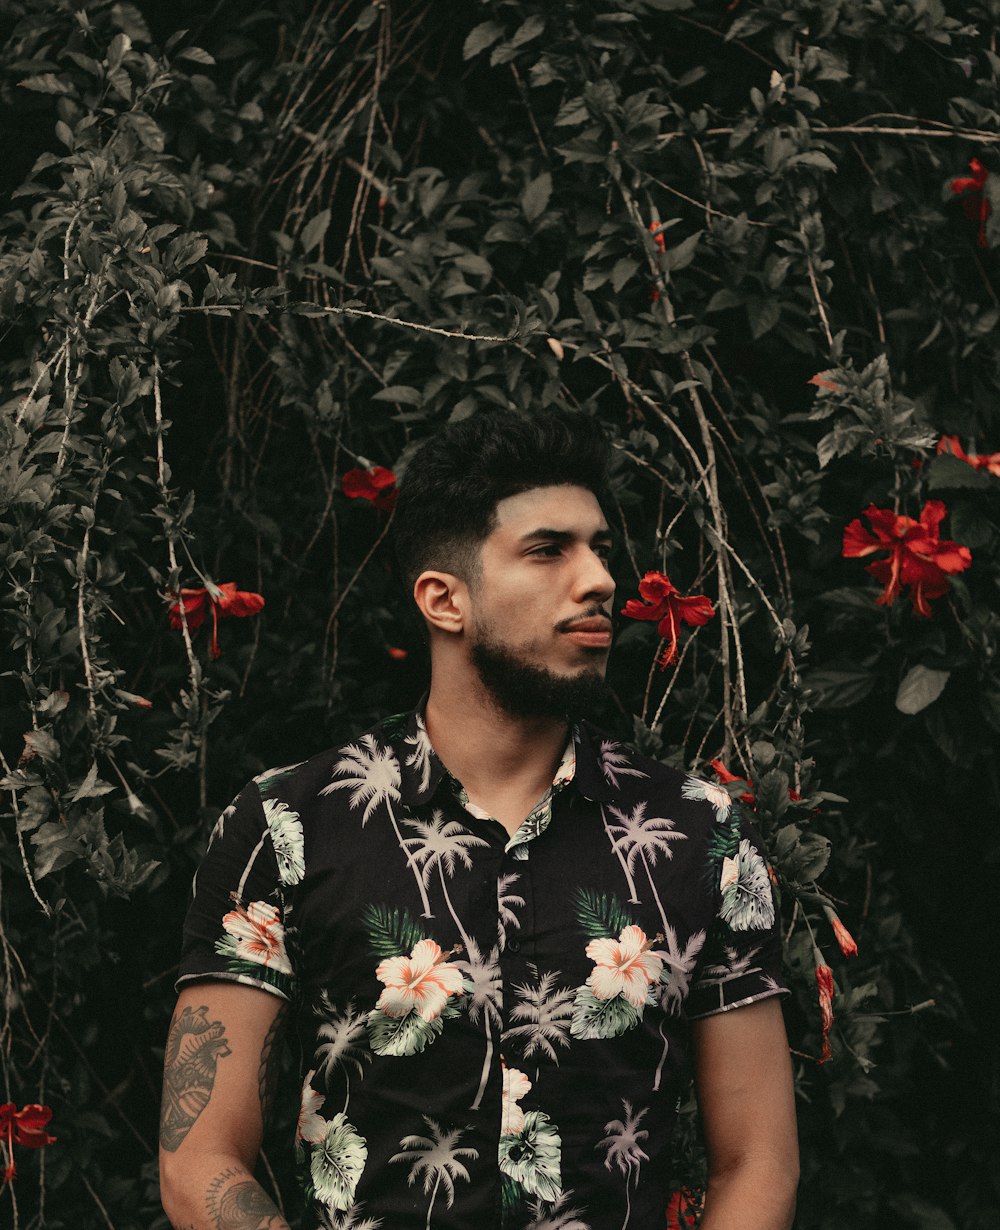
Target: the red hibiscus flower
(662, 602)
(376, 485)
(917, 556)
(844, 938)
(224, 601)
(24, 1127)
(990, 462)
(824, 983)
(684, 1208)
(975, 203)
(724, 776)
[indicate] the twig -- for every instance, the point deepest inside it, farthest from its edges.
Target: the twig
(815, 286)
(81, 623)
(710, 211)
(97, 1200)
(866, 130)
(161, 478)
(20, 845)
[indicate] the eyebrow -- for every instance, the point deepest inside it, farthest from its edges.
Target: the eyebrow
(551, 535)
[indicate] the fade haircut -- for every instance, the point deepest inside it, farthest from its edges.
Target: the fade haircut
(449, 494)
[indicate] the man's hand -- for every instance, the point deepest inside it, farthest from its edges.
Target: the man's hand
(219, 1069)
(743, 1075)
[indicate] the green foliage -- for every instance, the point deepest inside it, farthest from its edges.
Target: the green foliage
(601, 916)
(392, 932)
(238, 261)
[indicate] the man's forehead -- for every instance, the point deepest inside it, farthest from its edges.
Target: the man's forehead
(566, 507)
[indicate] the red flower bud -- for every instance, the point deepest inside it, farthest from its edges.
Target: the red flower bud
(824, 982)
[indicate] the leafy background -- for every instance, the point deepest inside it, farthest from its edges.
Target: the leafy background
(247, 248)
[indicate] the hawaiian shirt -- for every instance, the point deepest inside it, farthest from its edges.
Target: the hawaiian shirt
(497, 1025)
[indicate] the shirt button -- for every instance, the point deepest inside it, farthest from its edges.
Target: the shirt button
(513, 945)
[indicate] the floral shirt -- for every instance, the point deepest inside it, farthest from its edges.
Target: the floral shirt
(498, 1026)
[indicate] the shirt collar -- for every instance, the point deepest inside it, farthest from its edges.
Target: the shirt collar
(422, 771)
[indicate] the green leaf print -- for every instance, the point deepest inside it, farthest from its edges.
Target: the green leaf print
(392, 727)
(392, 932)
(602, 1018)
(725, 839)
(270, 778)
(401, 1035)
(600, 914)
(337, 1162)
(511, 1196)
(532, 1157)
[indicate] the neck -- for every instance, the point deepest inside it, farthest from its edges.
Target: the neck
(492, 753)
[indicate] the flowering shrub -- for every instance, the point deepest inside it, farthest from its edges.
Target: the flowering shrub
(243, 276)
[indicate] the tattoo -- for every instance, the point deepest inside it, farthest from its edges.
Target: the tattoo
(270, 1066)
(243, 1205)
(194, 1047)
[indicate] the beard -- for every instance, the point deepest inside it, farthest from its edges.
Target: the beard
(524, 690)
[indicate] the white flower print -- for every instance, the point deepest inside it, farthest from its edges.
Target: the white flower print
(709, 792)
(421, 982)
(747, 903)
(286, 837)
(337, 1162)
(515, 1086)
(311, 1126)
(257, 936)
(624, 966)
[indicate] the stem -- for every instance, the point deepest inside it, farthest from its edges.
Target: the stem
(81, 623)
(171, 531)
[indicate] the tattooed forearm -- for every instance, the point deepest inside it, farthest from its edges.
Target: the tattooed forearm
(270, 1066)
(237, 1202)
(194, 1047)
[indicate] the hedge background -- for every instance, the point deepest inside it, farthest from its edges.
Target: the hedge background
(247, 248)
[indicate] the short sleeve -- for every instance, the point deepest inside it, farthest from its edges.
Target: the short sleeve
(234, 929)
(741, 960)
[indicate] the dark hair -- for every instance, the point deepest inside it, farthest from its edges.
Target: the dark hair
(453, 483)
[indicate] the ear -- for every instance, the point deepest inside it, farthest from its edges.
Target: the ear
(442, 599)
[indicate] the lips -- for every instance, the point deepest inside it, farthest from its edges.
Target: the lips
(591, 633)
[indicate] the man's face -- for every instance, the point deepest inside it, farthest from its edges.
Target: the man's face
(540, 630)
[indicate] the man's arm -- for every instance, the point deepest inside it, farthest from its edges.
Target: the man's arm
(218, 1074)
(743, 1075)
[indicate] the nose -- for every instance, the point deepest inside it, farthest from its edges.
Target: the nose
(594, 583)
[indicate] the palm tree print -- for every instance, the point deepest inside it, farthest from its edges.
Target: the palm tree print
(557, 1216)
(441, 845)
(485, 991)
(350, 1219)
(371, 772)
(506, 918)
(622, 1148)
(420, 755)
(632, 895)
(436, 1159)
(547, 1013)
(675, 982)
(342, 1046)
(638, 839)
(615, 762)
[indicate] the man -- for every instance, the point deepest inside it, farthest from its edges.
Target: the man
(508, 934)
